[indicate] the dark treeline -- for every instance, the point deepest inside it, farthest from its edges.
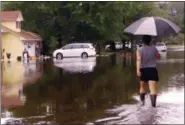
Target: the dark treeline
(62, 22)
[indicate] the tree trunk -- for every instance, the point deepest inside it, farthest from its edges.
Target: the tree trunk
(123, 42)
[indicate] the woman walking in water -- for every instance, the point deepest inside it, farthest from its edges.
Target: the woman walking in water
(146, 69)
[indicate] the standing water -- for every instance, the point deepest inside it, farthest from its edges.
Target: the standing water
(98, 90)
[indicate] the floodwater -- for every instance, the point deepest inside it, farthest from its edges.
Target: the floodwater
(97, 90)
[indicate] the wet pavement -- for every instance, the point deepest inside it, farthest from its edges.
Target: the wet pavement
(97, 90)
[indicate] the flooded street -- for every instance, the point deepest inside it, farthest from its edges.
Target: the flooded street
(97, 90)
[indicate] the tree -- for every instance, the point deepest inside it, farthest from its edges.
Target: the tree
(62, 22)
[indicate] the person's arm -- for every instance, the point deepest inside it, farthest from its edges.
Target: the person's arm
(138, 63)
(158, 56)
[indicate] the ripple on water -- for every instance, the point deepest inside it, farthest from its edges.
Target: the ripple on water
(177, 80)
(169, 110)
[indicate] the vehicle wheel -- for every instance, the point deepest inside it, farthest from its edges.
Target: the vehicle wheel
(84, 55)
(59, 56)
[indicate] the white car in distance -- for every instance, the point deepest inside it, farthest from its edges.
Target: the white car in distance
(139, 46)
(119, 46)
(161, 47)
(83, 50)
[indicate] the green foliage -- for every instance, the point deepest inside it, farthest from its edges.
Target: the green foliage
(77, 21)
(53, 44)
(179, 39)
(62, 22)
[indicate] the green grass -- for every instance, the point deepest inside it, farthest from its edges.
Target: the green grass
(175, 45)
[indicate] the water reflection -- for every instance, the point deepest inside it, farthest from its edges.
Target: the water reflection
(127, 59)
(166, 57)
(60, 97)
(15, 75)
(163, 55)
(169, 110)
(170, 100)
(32, 71)
(76, 65)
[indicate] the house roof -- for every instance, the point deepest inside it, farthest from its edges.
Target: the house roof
(29, 35)
(11, 16)
(25, 35)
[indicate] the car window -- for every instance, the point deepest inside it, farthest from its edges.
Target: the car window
(160, 44)
(76, 46)
(85, 46)
(67, 47)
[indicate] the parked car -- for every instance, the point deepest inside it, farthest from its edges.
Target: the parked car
(139, 46)
(161, 47)
(83, 50)
(128, 45)
(118, 46)
(107, 47)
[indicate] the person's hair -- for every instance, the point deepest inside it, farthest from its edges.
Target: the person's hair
(147, 39)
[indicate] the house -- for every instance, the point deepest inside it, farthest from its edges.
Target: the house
(14, 39)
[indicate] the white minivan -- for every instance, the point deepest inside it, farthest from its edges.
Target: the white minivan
(161, 47)
(83, 50)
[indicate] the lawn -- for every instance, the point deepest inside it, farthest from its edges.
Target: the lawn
(178, 45)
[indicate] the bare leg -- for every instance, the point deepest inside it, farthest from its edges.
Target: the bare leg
(153, 88)
(153, 92)
(142, 87)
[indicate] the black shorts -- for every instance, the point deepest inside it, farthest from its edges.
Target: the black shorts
(149, 74)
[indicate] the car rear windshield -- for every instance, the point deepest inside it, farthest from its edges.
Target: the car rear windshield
(160, 44)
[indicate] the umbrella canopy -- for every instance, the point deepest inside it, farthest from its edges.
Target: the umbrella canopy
(154, 26)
